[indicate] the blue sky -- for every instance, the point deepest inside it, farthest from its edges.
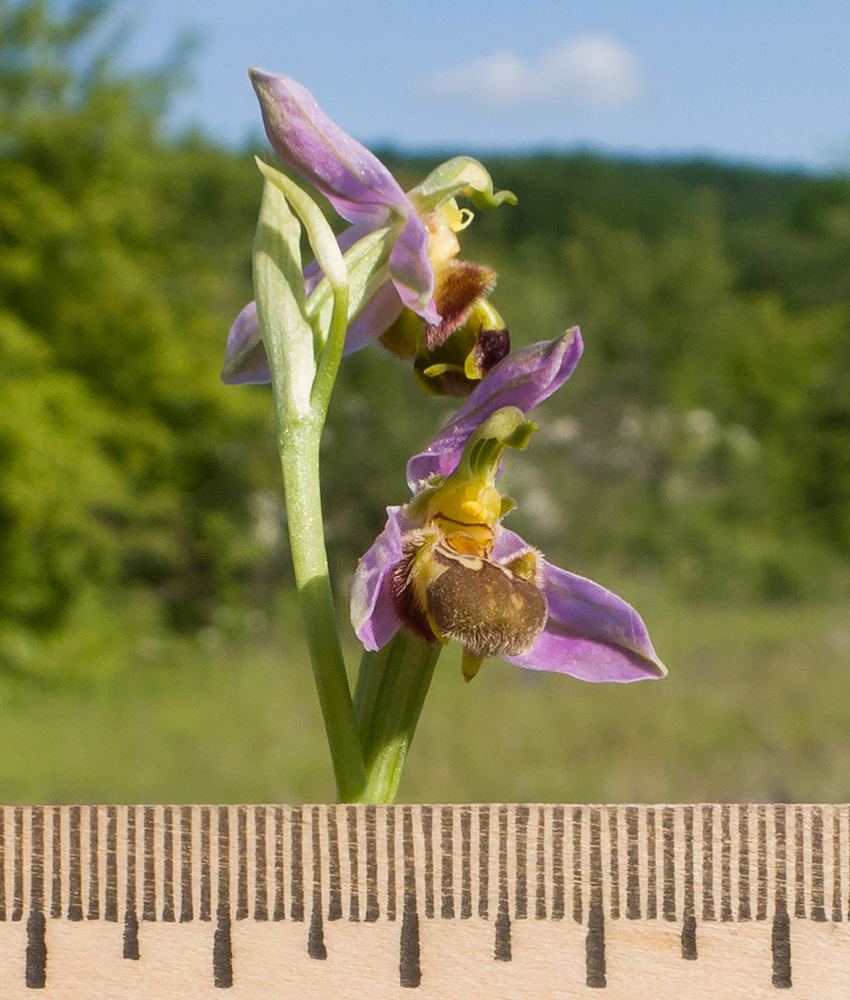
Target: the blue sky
(759, 82)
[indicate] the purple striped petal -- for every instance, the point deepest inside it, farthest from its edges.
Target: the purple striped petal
(523, 379)
(411, 270)
(591, 634)
(372, 614)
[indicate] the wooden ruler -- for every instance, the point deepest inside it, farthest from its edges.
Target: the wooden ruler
(464, 901)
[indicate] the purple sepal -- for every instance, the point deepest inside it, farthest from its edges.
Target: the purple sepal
(375, 318)
(352, 178)
(245, 359)
(591, 634)
(523, 379)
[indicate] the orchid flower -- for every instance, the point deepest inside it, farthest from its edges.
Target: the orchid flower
(420, 280)
(445, 568)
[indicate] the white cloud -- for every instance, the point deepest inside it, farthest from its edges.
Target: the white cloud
(588, 71)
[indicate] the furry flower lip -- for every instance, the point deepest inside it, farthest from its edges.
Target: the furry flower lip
(423, 293)
(444, 567)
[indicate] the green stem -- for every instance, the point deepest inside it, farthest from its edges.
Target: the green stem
(391, 689)
(329, 359)
(288, 339)
(299, 454)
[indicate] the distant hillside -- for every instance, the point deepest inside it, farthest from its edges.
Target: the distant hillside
(783, 231)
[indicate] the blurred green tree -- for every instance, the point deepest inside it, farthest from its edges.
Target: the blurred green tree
(123, 461)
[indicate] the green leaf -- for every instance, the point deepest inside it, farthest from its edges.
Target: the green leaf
(281, 304)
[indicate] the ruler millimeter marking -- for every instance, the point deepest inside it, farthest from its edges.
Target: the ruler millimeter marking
(596, 866)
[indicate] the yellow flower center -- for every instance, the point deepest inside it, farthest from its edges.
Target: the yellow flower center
(466, 539)
(442, 225)
(465, 502)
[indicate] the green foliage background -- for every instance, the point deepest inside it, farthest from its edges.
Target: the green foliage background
(701, 450)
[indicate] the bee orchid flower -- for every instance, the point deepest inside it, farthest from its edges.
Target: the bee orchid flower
(444, 567)
(420, 278)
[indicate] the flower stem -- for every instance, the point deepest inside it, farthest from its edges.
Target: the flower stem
(391, 689)
(288, 339)
(299, 453)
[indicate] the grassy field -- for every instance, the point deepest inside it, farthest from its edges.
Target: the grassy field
(756, 707)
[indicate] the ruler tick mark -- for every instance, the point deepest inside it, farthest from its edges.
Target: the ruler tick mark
(110, 909)
(279, 906)
(335, 871)
(595, 942)
(632, 865)
(18, 891)
(168, 865)
(391, 888)
(56, 888)
(131, 920)
(186, 902)
(743, 863)
(206, 865)
(725, 864)
(296, 880)
(708, 863)
(836, 868)
(316, 935)
(799, 865)
(613, 830)
(466, 863)
(558, 863)
(261, 898)
(651, 870)
(540, 908)
(2, 864)
(242, 868)
(75, 889)
(780, 937)
(484, 862)
(818, 912)
(447, 901)
(372, 911)
(36, 957)
(427, 818)
(222, 945)
(149, 874)
(780, 943)
(409, 967)
(669, 856)
(354, 898)
(502, 947)
(36, 953)
(94, 875)
(521, 885)
(577, 874)
(222, 951)
(689, 924)
(761, 907)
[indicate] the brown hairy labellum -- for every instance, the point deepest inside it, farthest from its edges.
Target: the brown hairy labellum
(441, 594)
(460, 284)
